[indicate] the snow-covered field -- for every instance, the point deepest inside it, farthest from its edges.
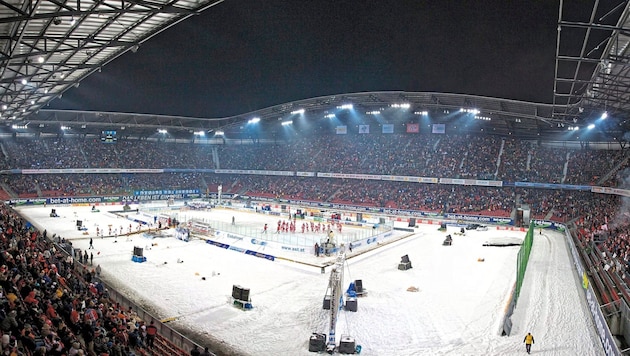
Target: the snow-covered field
(456, 307)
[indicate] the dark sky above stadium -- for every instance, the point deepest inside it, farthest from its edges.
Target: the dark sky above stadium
(245, 55)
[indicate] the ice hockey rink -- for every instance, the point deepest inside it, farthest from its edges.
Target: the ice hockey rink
(452, 302)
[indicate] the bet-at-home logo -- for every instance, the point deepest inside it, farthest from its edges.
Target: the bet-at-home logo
(542, 224)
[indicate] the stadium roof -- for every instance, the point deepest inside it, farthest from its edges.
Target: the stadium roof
(594, 77)
(48, 46)
(492, 116)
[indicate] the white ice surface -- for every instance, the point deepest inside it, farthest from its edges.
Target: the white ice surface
(457, 310)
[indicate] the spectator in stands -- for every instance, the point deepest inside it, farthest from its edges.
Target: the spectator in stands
(151, 333)
(195, 351)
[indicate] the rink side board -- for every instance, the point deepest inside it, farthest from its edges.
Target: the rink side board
(605, 336)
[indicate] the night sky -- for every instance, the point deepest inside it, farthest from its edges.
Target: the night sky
(245, 55)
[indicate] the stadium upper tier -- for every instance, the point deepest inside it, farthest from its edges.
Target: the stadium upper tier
(440, 156)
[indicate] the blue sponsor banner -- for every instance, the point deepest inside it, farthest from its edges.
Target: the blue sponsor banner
(259, 254)
(217, 244)
(549, 186)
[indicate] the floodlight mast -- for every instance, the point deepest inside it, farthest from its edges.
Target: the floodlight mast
(335, 285)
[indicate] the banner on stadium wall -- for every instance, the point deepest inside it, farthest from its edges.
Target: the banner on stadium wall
(99, 200)
(166, 191)
(438, 128)
(364, 129)
(544, 224)
(413, 128)
(388, 128)
(550, 186)
(479, 218)
(341, 130)
(355, 176)
(607, 190)
(28, 201)
(90, 170)
(255, 171)
(305, 174)
(410, 179)
(188, 170)
(478, 182)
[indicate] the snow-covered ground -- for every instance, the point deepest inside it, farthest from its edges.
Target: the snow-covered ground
(460, 292)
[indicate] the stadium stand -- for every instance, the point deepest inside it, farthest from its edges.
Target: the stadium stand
(600, 230)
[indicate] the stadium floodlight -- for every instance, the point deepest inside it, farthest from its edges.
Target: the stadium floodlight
(24, 81)
(285, 123)
(401, 106)
(253, 120)
(604, 115)
(375, 112)
(470, 111)
(23, 127)
(423, 113)
(63, 128)
(345, 107)
(219, 133)
(4, 107)
(162, 131)
(200, 133)
(591, 126)
(330, 116)
(295, 112)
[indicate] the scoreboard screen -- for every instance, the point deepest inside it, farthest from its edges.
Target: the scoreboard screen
(108, 136)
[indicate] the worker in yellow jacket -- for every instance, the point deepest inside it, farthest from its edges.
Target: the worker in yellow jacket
(529, 340)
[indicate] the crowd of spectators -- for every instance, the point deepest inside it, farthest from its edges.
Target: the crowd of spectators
(441, 156)
(600, 162)
(45, 307)
(514, 161)
(52, 304)
(60, 152)
(447, 156)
